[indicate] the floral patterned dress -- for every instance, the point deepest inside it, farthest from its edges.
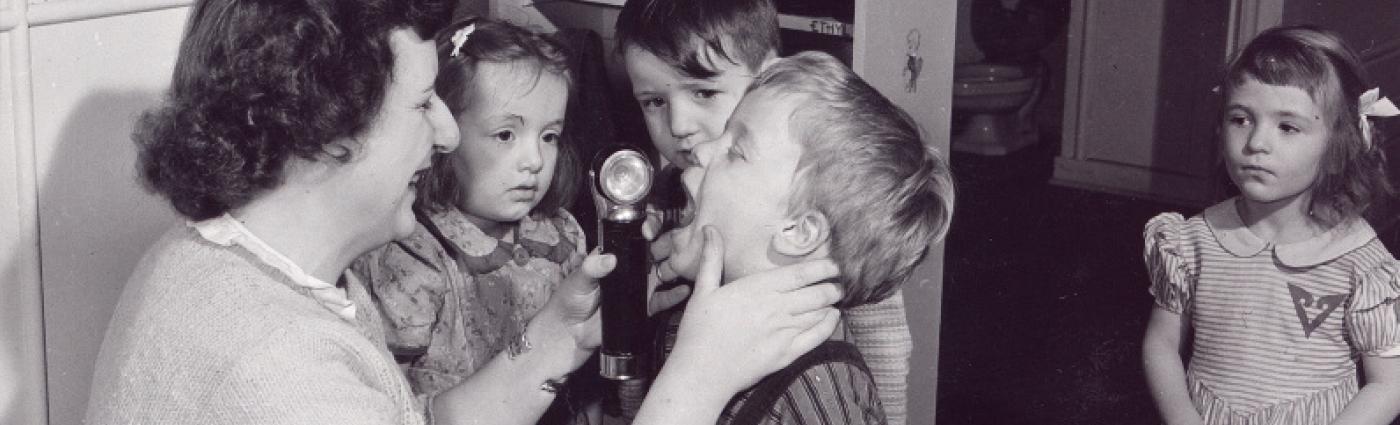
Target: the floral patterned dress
(453, 297)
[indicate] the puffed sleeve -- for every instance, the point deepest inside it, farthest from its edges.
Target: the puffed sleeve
(1171, 273)
(1372, 317)
(409, 291)
(573, 233)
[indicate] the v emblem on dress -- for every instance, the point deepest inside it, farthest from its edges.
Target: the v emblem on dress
(1304, 301)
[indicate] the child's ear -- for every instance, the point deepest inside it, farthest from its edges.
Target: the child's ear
(806, 233)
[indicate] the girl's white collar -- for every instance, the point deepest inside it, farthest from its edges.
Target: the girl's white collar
(1227, 226)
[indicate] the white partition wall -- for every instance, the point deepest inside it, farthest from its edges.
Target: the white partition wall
(885, 28)
(73, 219)
(21, 324)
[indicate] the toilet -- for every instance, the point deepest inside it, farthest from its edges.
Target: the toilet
(997, 85)
(994, 104)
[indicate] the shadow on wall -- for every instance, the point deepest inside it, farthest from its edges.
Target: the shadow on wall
(95, 221)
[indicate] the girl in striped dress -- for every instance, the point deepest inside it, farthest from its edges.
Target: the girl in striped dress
(1283, 294)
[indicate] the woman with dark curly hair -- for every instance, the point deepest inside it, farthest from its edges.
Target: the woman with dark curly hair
(292, 138)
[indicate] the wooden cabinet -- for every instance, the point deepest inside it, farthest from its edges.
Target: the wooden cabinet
(1139, 104)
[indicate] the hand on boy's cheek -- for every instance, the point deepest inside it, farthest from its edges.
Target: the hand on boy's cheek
(688, 240)
(661, 274)
(687, 244)
(742, 331)
(671, 264)
(662, 300)
(660, 247)
(676, 253)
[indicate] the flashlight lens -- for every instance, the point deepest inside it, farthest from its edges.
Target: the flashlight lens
(626, 177)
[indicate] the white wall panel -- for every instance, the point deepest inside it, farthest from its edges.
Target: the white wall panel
(882, 32)
(22, 396)
(91, 79)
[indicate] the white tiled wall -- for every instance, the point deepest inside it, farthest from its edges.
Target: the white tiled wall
(73, 76)
(21, 332)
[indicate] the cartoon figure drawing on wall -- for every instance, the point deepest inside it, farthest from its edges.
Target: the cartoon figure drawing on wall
(915, 64)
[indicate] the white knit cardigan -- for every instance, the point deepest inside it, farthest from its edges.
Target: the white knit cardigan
(208, 334)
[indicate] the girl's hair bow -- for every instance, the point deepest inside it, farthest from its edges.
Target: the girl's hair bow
(1371, 104)
(459, 38)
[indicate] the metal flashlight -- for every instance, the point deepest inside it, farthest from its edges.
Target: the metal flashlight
(621, 178)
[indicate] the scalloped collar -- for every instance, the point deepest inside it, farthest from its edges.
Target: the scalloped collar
(480, 253)
(1227, 226)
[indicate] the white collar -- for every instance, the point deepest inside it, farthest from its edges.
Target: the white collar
(1225, 222)
(225, 230)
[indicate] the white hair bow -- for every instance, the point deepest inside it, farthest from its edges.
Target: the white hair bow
(459, 38)
(1373, 105)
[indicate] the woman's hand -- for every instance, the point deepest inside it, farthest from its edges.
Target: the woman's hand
(732, 336)
(507, 390)
(664, 268)
(572, 311)
(742, 331)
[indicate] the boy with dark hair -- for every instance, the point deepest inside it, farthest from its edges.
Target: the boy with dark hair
(690, 61)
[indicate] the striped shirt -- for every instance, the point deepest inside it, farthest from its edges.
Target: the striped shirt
(879, 331)
(828, 385)
(1277, 329)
